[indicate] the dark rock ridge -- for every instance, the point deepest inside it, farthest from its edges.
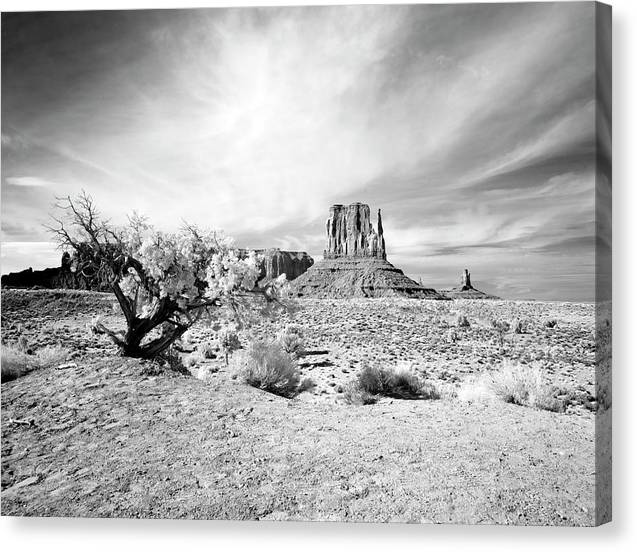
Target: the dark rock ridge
(465, 290)
(275, 262)
(62, 277)
(355, 261)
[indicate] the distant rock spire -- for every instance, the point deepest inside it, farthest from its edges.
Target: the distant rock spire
(465, 281)
(381, 239)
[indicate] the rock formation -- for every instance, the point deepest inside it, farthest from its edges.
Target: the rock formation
(465, 290)
(355, 261)
(350, 233)
(275, 262)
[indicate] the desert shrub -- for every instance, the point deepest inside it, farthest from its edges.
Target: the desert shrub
(228, 342)
(267, 366)
(463, 321)
(524, 386)
(520, 326)
(552, 323)
(291, 339)
(353, 394)
(400, 383)
(17, 363)
(307, 384)
(501, 327)
(22, 344)
(207, 349)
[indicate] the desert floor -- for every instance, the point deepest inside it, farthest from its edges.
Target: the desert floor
(107, 436)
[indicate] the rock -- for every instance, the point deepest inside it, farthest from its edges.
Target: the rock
(465, 290)
(290, 263)
(350, 233)
(355, 263)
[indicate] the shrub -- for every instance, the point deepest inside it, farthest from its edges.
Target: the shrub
(524, 386)
(291, 339)
(17, 363)
(501, 327)
(452, 336)
(463, 321)
(400, 383)
(207, 349)
(353, 394)
(267, 366)
(520, 326)
(228, 341)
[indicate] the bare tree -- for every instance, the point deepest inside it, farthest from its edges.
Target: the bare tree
(154, 317)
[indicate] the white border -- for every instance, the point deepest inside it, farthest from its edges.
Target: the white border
(25, 534)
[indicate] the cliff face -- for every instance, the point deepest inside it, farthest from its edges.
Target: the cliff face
(290, 263)
(350, 233)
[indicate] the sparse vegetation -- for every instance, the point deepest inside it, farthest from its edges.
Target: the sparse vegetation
(291, 339)
(194, 359)
(516, 384)
(228, 342)
(16, 362)
(520, 326)
(268, 366)
(501, 327)
(207, 350)
(463, 321)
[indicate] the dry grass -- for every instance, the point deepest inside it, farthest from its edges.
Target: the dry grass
(268, 366)
(516, 384)
(17, 363)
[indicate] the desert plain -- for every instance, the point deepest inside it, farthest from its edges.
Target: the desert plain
(100, 435)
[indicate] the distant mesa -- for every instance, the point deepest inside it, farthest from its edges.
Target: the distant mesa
(275, 262)
(355, 261)
(465, 290)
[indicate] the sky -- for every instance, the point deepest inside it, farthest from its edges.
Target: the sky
(471, 126)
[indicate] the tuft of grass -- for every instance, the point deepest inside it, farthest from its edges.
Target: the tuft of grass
(399, 383)
(515, 384)
(266, 365)
(17, 363)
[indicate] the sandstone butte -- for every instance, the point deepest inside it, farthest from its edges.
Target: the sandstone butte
(465, 290)
(355, 261)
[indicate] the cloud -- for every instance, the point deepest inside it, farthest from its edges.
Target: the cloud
(471, 126)
(28, 181)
